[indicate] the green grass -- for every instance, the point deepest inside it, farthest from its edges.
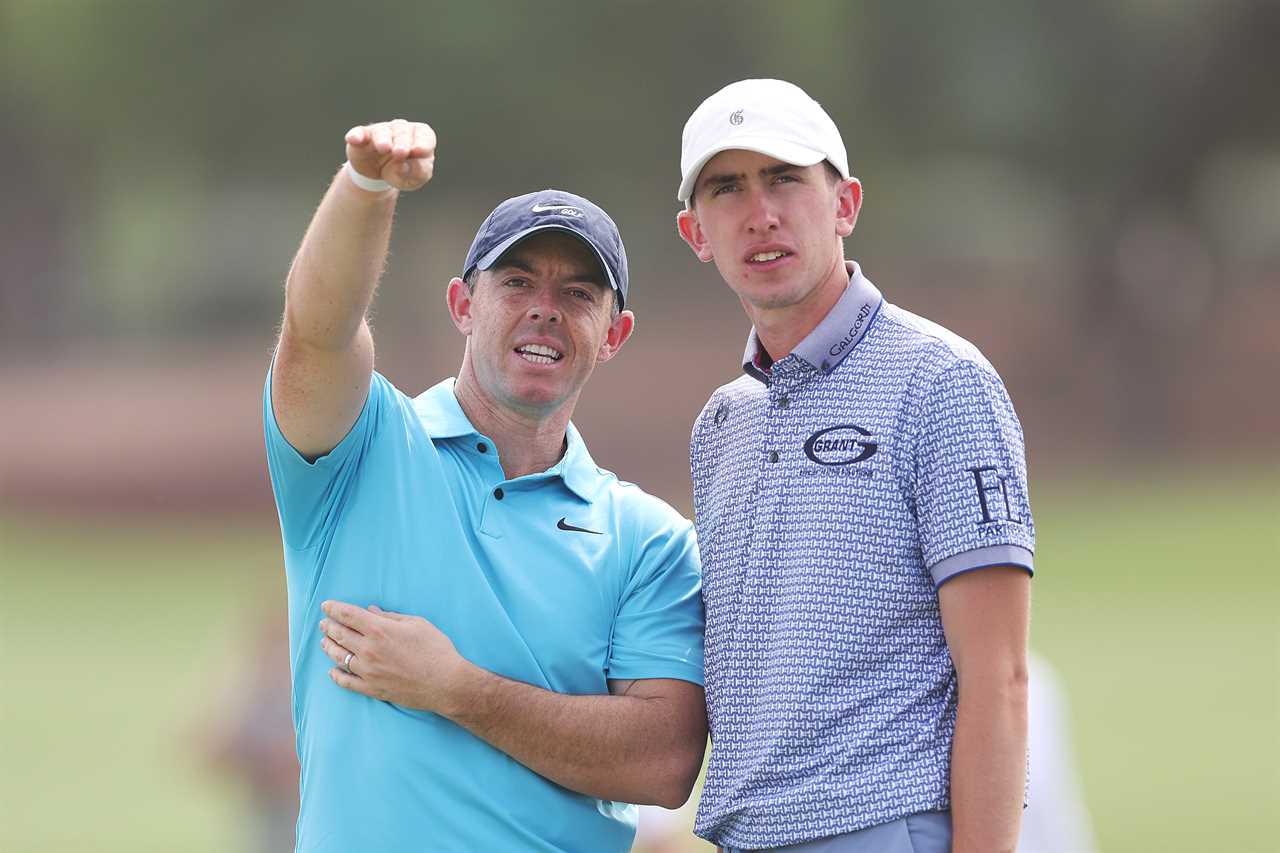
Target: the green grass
(116, 643)
(1156, 601)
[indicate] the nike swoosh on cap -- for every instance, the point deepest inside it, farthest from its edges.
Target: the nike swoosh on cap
(564, 525)
(566, 209)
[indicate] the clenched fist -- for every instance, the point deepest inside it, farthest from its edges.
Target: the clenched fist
(402, 153)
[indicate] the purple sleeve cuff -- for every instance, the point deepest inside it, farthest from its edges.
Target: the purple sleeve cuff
(981, 558)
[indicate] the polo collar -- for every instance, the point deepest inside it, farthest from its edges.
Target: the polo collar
(834, 338)
(442, 417)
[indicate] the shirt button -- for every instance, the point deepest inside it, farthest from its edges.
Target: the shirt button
(773, 456)
(783, 402)
(497, 493)
(482, 447)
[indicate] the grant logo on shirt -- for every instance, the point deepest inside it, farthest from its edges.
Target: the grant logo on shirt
(840, 445)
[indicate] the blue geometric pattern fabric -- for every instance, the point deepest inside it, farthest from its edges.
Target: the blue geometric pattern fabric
(834, 492)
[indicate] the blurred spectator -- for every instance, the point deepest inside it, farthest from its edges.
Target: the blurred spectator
(1056, 819)
(252, 739)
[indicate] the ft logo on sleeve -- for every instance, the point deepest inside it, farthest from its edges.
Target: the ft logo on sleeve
(993, 495)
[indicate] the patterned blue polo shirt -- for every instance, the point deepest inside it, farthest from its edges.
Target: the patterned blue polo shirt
(834, 492)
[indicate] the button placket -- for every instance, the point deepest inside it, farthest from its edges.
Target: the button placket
(489, 468)
(781, 387)
(491, 509)
(766, 499)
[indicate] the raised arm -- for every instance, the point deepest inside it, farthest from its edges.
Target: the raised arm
(324, 358)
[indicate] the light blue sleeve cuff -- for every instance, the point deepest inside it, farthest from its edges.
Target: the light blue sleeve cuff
(668, 669)
(981, 558)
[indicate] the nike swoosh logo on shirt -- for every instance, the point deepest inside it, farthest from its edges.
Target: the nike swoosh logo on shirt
(563, 525)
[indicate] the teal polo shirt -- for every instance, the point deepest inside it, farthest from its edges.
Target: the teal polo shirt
(562, 579)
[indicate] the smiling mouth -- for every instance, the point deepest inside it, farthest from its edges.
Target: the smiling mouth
(538, 354)
(766, 257)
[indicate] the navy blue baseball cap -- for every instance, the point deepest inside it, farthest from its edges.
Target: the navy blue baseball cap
(551, 210)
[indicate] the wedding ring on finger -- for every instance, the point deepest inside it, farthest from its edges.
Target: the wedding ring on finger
(346, 663)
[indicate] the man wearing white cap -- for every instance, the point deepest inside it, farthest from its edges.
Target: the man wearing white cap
(863, 522)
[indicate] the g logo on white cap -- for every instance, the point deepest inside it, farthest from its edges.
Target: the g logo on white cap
(735, 118)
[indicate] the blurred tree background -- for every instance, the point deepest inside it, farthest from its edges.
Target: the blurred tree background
(1089, 191)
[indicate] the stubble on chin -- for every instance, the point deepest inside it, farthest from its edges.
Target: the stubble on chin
(771, 300)
(774, 301)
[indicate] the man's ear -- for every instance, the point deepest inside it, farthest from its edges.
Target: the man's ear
(691, 232)
(848, 203)
(619, 333)
(458, 295)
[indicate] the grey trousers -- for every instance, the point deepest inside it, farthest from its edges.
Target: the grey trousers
(927, 832)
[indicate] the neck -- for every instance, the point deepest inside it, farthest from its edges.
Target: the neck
(780, 330)
(528, 442)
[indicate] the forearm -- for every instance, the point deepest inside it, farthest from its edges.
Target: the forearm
(642, 743)
(626, 748)
(333, 276)
(988, 765)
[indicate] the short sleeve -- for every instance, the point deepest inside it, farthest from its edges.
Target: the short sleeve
(657, 632)
(309, 495)
(971, 476)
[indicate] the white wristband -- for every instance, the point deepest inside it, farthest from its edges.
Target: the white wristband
(370, 184)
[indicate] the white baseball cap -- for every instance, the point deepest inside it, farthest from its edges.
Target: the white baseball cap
(771, 117)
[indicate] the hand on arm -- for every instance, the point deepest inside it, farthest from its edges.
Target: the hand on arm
(641, 744)
(325, 355)
(985, 616)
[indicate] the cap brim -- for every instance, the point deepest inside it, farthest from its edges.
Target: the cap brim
(779, 149)
(491, 257)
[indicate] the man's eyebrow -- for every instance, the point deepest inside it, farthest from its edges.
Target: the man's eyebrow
(514, 262)
(590, 275)
(722, 178)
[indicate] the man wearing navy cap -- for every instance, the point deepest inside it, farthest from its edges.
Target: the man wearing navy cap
(495, 644)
